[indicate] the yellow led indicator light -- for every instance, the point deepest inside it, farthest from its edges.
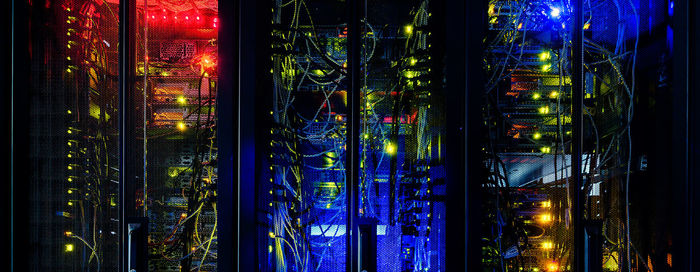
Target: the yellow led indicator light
(544, 56)
(410, 74)
(69, 247)
(545, 149)
(181, 100)
(554, 94)
(546, 67)
(537, 136)
(408, 29)
(546, 218)
(543, 110)
(547, 245)
(68, 233)
(413, 61)
(181, 126)
(390, 148)
(536, 96)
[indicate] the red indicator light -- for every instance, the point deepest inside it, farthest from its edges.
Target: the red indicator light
(187, 17)
(197, 17)
(153, 17)
(164, 18)
(175, 17)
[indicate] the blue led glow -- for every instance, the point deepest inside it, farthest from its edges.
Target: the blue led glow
(670, 8)
(555, 12)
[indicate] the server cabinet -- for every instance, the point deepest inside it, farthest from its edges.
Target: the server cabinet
(344, 137)
(169, 136)
(577, 127)
(65, 159)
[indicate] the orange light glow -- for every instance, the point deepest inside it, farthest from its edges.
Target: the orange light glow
(206, 62)
(547, 245)
(545, 218)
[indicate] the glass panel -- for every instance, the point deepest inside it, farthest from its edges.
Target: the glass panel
(73, 137)
(302, 186)
(402, 187)
(175, 94)
(528, 193)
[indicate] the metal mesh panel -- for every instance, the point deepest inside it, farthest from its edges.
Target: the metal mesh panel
(529, 223)
(72, 146)
(174, 136)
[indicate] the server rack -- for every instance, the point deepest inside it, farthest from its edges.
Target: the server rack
(113, 100)
(585, 211)
(333, 52)
(170, 148)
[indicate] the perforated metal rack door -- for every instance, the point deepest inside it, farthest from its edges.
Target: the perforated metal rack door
(66, 214)
(403, 178)
(562, 91)
(173, 145)
(304, 185)
(301, 187)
